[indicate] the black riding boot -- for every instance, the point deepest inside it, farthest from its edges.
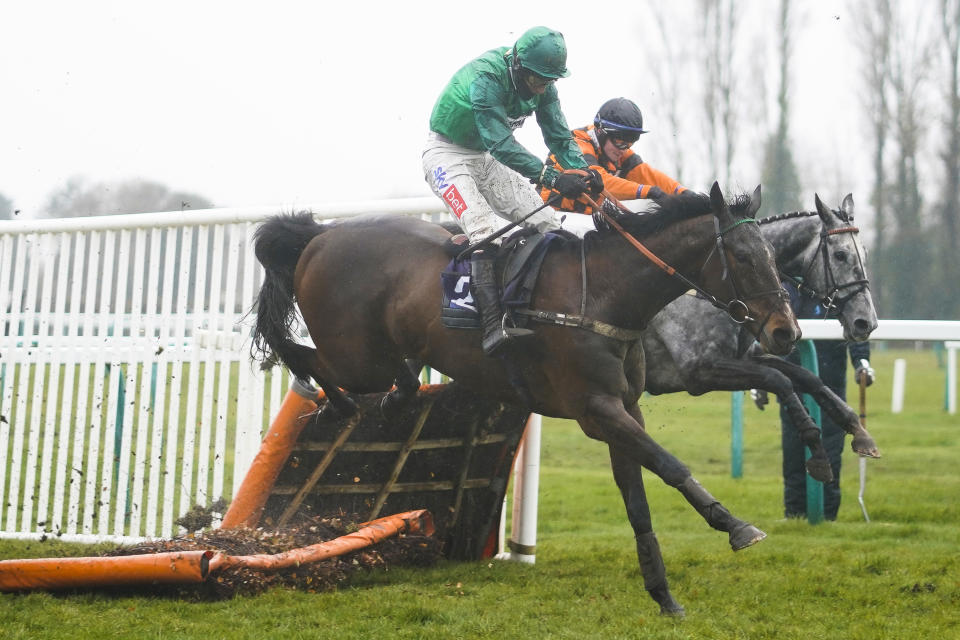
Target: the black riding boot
(483, 285)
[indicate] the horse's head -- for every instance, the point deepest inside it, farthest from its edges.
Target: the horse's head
(837, 272)
(742, 273)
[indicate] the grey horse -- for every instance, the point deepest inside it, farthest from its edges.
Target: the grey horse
(692, 346)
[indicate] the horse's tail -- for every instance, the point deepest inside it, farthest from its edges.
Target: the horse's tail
(278, 243)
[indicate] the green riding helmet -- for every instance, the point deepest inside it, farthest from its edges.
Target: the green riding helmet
(543, 51)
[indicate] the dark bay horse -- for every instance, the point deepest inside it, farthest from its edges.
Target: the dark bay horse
(368, 290)
(692, 347)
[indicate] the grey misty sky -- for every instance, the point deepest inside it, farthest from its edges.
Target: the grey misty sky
(295, 103)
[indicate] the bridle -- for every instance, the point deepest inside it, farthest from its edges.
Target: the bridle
(739, 300)
(736, 307)
(829, 300)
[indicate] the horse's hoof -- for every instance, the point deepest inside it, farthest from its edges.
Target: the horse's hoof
(745, 535)
(338, 411)
(668, 606)
(864, 445)
(819, 469)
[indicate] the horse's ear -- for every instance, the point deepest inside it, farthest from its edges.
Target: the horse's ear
(717, 203)
(822, 210)
(755, 201)
(846, 207)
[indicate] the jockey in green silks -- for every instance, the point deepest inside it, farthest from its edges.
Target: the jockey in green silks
(475, 165)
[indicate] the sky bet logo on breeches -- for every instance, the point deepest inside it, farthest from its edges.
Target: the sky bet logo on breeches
(451, 196)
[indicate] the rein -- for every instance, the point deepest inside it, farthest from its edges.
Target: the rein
(735, 305)
(736, 308)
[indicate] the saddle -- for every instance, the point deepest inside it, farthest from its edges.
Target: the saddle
(518, 268)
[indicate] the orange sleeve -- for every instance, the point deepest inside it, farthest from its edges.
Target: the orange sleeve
(645, 176)
(620, 188)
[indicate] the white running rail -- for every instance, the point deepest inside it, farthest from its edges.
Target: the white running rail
(127, 394)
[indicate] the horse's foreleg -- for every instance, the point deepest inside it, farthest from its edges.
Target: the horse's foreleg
(408, 382)
(630, 481)
(608, 420)
(838, 410)
(735, 375)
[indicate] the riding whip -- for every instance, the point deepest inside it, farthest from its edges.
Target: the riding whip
(499, 232)
(863, 459)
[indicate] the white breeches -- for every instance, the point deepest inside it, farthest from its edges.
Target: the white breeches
(482, 193)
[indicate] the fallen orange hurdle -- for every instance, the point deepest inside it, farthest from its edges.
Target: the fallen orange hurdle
(185, 567)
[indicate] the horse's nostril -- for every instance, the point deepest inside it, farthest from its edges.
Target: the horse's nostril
(861, 325)
(783, 336)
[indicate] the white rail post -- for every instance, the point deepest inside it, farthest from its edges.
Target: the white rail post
(899, 382)
(526, 485)
(952, 346)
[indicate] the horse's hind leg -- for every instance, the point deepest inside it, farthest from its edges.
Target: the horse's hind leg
(630, 481)
(624, 431)
(301, 361)
(838, 410)
(337, 400)
(408, 382)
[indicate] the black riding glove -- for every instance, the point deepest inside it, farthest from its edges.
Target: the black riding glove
(691, 195)
(570, 185)
(656, 194)
(610, 208)
(594, 182)
(599, 222)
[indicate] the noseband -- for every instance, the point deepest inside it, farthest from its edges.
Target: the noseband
(738, 302)
(830, 299)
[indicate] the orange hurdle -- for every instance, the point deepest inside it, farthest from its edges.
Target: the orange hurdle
(185, 567)
(177, 567)
(300, 402)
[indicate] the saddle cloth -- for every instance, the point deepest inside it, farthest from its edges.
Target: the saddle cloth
(518, 267)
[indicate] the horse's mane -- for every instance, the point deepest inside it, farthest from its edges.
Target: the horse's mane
(786, 216)
(673, 209)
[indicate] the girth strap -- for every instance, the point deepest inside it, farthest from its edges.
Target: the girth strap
(572, 320)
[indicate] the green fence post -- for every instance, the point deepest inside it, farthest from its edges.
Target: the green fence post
(118, 429)
(808, 359)
(736, 434)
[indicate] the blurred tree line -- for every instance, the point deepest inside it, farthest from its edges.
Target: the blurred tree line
(910, 55)
(908, 61)
(708, 76)
(78, 197)
(6, 208)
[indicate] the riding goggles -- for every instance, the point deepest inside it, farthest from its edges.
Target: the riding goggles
(536, 81)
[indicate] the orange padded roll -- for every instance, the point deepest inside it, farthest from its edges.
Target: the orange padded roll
(369, 534)
(178, 567)
(247, 506)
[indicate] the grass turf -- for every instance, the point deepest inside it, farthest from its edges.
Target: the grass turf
(897, 576)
